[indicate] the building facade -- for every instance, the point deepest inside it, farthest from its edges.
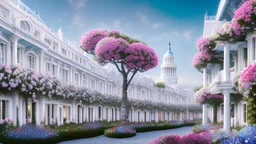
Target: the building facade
(218, 77)
(25, 40)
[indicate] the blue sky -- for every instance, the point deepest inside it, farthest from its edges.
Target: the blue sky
(155, 22)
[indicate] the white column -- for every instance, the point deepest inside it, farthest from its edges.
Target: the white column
(57, 117)
(156, 116)
(226, 63)
(14, 39)
(50, 122)
(226, 126)
(205, 112)
(249, 51)
(187, 115)
(15, 99)
(242, 59)
(74, 112)
(235, 114)
(8, 54)
(42, 109)
(239, 59)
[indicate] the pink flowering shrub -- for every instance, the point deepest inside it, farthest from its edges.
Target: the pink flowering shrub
(89, 40)
(202, 138)
(205, 97)
(205, 43)
(168, 139)
(244, 17)
(247, 78)
(206, 56)
(226, 33)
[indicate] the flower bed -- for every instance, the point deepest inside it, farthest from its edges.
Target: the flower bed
(246, 135)
(120, 132)
(205, 128)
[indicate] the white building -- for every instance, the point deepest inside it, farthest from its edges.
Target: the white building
(236, 57)
(26, 40)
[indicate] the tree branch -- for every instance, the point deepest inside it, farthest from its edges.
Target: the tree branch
(117, 67)
(132, 77)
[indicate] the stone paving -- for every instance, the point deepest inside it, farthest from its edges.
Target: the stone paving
(140, 138)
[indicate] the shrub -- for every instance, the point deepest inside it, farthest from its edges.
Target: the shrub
(168, 139)
(120, 132)
(202, 138)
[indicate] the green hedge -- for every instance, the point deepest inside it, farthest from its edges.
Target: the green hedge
(119, 135)
(65, 136)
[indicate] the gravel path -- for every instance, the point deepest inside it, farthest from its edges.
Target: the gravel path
(140, 138)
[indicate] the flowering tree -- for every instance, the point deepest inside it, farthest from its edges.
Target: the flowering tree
(127, 54)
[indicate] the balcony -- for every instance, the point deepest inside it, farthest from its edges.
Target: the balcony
(218, 84)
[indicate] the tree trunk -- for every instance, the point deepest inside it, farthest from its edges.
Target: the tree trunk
(34, 113)
(124, 103)
(214, 113)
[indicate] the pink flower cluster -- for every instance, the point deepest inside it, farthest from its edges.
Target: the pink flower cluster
(203, 43)
(115, 50)
(89, 40)
(243, 15)
(141, 57)
(202, 138)
(201, 58)
(225, 31)
(204, 96)
(111, 49)
(168, 139)
(248, 78)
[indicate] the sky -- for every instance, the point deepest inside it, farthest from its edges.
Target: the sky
(155, 22)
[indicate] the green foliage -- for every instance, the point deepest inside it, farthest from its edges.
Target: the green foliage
(236, 98)
(251, 108)
(125, 37)
(197, 88)
(159, 85)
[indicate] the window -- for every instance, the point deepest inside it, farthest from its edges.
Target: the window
(31, 61)
(24, 25)
(81, 61)
(53, 70)
(47, 41)
(48, 67)
(55, 46)
(37, 34)
(64, 52)
(2, 53)
(84, 80)
(64, 75)
(76, 78)
(2, 13)
(76, 58)
(18, 55)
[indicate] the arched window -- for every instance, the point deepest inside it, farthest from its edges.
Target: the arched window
(24, 25)
(31, 61)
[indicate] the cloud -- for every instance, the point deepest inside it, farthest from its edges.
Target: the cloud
(190, 81)
(117, 23)
(187, 35)
(78, 21)
(77, 4)
(157, 25)
(143, 18)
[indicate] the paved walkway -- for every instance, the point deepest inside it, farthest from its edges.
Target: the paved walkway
(140, 138)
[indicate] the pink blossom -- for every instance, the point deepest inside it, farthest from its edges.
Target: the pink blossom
(89, 40)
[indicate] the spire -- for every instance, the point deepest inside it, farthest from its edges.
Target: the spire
(169, 45)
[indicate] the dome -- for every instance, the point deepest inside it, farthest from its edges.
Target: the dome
(168, 53)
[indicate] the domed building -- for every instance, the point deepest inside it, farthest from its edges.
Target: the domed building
(168, 68)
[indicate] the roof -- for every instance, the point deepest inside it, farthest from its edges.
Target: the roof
(169, 52)
(227, 8)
